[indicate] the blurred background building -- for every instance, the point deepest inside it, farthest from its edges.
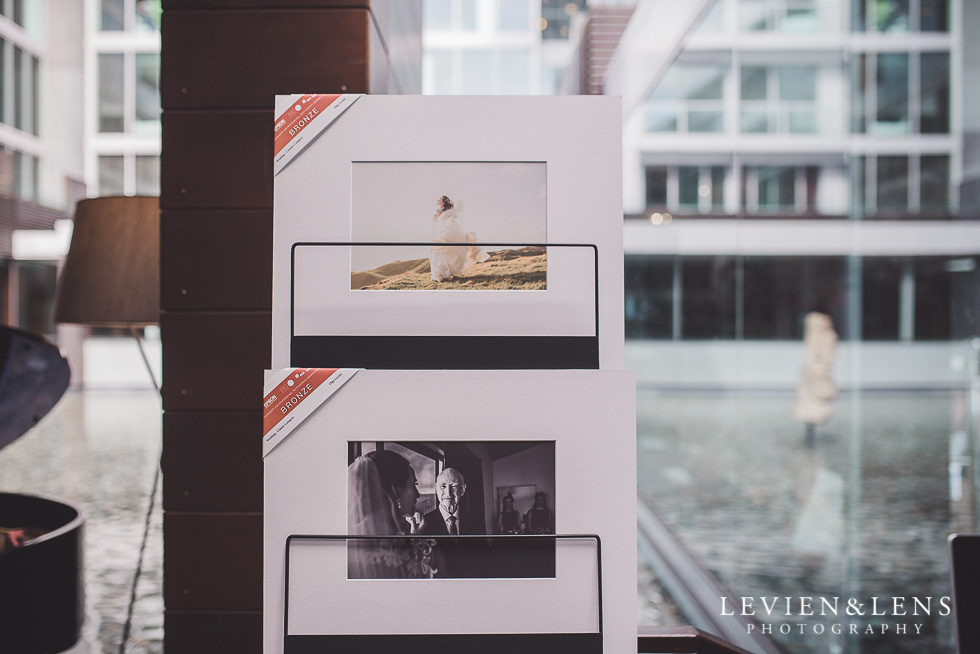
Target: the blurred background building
(782, 157)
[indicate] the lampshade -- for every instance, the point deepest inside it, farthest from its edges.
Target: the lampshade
(111, 275)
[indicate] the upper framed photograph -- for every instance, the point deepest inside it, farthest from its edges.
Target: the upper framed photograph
(449, 206)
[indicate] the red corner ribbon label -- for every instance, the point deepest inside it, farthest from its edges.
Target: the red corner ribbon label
(301, 117)
(291, 395)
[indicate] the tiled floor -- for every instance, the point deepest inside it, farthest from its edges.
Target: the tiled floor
(100, 449)
(863, 513)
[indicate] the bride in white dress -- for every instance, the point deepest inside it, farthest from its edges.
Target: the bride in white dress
(448, 261)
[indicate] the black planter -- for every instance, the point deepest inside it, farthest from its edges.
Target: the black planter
(42, 591)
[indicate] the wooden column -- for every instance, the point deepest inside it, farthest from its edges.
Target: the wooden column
(222, 63)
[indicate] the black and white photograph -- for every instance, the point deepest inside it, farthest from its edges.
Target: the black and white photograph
(471, 203)
(436, 490)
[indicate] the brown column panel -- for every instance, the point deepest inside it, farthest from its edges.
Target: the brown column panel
(216, 260)
(214, 361)
(212, 461)
(216, 160)
(212, 561)
(239, 632)
(317, 51)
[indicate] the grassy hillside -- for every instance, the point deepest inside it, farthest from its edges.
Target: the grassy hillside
(525, 268)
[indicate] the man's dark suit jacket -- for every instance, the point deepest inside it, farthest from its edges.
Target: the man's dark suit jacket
(457, 559)
(436, 526)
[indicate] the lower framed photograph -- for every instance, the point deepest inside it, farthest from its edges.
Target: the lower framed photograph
(477, 510)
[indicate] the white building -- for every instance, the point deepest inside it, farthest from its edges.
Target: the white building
(40, 153)
(785, 156)
(495, 47)
(122, 97)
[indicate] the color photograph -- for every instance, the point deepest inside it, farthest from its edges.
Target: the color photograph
(482, 218)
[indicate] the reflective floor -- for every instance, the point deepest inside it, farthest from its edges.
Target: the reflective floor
(863, 513)
(99, 449)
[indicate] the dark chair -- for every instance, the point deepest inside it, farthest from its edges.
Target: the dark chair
(42, 603)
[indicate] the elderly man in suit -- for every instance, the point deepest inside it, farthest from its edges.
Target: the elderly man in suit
(448, 519)
(463, 558)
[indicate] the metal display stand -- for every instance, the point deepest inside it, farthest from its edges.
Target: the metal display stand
(426, 643)
(445, 352)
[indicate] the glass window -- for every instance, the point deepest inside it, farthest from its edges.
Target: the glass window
(859, 76)
(147, 175)
(859, 15)
(556, 15)
(934, 183)
(113, 15)
(649, 296)
(801, 17)
(35, 97)
(111, 93)
(777, 187)
(708, 297)
(802, 121)
(687, 181)
(28, 183)
(934, 15)
(754, 82)
(476, 72)
(37, 282)
(713, 20)
(438, 14)
(812, 176)
(893, 94)
(148, 15)
(934, 94)
(779, 291)
(437, 72)
(797, 82)
(18, 94)
(4, 118)
(468, 14)
(754, 15)
(755, 121)
(881, 279)
(515, 15)
(514, 71)
(660, 120)
(933, 299)
(111, 175)
(893, 181)
(717, 187)
(706, 121)
(690, 81)
(656, 178)
(891, 15)
(147, 87)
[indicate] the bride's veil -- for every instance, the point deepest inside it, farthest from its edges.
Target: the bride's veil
(370, 512)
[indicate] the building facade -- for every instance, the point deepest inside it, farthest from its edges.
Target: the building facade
(782, 157)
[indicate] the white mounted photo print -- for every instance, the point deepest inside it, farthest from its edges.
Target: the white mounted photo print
(449, 232)
(453, 507)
